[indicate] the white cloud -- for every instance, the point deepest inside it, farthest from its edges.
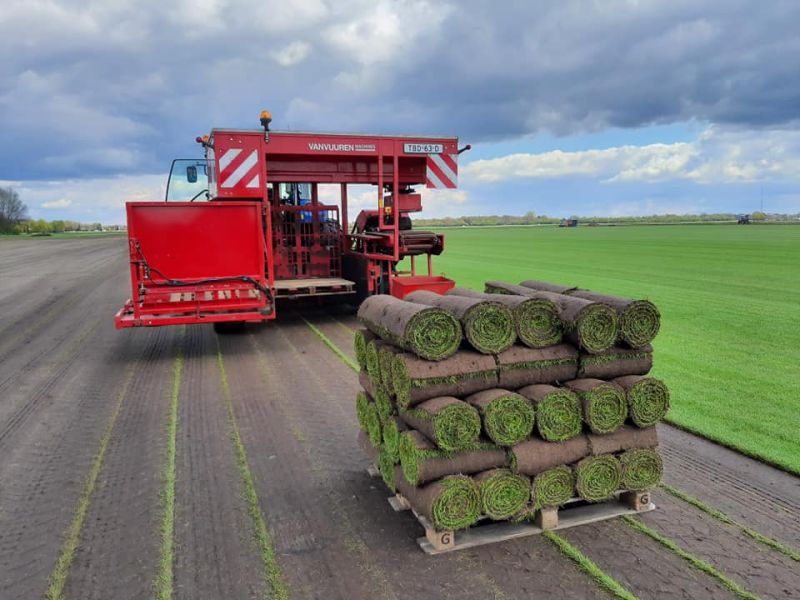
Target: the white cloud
(293, 54)
(60, 203)
(719, 155)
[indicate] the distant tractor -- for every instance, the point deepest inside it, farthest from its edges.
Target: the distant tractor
(568, 223)
(743, 219)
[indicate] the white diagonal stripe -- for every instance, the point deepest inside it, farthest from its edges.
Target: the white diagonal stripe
(241, 170)
(434, 179)
(444, 167)
(253, 182)
(227, 157)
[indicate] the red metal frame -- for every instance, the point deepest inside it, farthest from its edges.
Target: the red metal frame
(259, 238)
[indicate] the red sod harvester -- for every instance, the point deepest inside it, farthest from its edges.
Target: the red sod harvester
(245, 226)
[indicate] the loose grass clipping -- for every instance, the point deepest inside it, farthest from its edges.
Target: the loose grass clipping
(507, 417)
(558, 411)
(648, 399)
(503, 493)
(616, 362)
(467, 372)
(604, 405)
(553, 487)
(451, 503)
(642, 469)
(488, 325)
(450, 423)
(639, 320)
(536, 319)
(598, 477)
(422, 461)
(594, 326)
(428, 332)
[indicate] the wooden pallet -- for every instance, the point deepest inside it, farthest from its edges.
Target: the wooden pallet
(573, 513)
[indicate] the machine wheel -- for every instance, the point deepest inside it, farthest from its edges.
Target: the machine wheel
(229, 327)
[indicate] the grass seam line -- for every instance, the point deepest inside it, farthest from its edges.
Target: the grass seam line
(723, 518)
(697, 562)
(334, 348)
(273, 576)
(164, 581)
(587, 565)
(58, 578)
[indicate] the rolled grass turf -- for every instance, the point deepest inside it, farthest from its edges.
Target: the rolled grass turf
(503, 493)
(384, 405)
(642, 469)
(386, 465)
(467, 372)
(422, 461)
(536, 319)
(450, 423)
(488, 325)
(450, 503)
(534, 456)
(553, 487)
(368, 418)
(386, 354)
(616, 362)
(594, 326)
(598, 477)
(625, 438)
(647, 397)
(639, 320)
(507, 417)
(558, 411)
(361, 409)
(362, 337)
(370, 451)
(392, 429)
(428, 332)
(373, 364)
(603, 404)
(520, 366)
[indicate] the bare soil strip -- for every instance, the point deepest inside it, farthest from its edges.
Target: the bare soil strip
(214, 551)
(757, 495)
(120, 549)
(53, 417)
(755, 567)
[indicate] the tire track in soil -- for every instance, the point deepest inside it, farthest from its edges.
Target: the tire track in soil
(44, 469)
(513, 569)
(120, 546)
(215, 555)
(755, 567)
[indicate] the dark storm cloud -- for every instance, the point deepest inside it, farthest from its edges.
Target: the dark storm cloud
(106, 88)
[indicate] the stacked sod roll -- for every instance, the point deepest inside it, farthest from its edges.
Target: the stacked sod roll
(498, 403)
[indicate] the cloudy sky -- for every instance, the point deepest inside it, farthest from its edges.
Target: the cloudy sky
(592, 107)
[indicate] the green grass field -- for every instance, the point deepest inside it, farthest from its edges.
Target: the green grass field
(729, 347)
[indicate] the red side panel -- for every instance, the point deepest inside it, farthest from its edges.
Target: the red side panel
(196, 263)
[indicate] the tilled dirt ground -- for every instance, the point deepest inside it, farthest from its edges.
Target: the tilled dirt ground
(67, 376)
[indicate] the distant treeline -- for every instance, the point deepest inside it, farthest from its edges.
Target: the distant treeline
(42, 227)
(531, 218)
